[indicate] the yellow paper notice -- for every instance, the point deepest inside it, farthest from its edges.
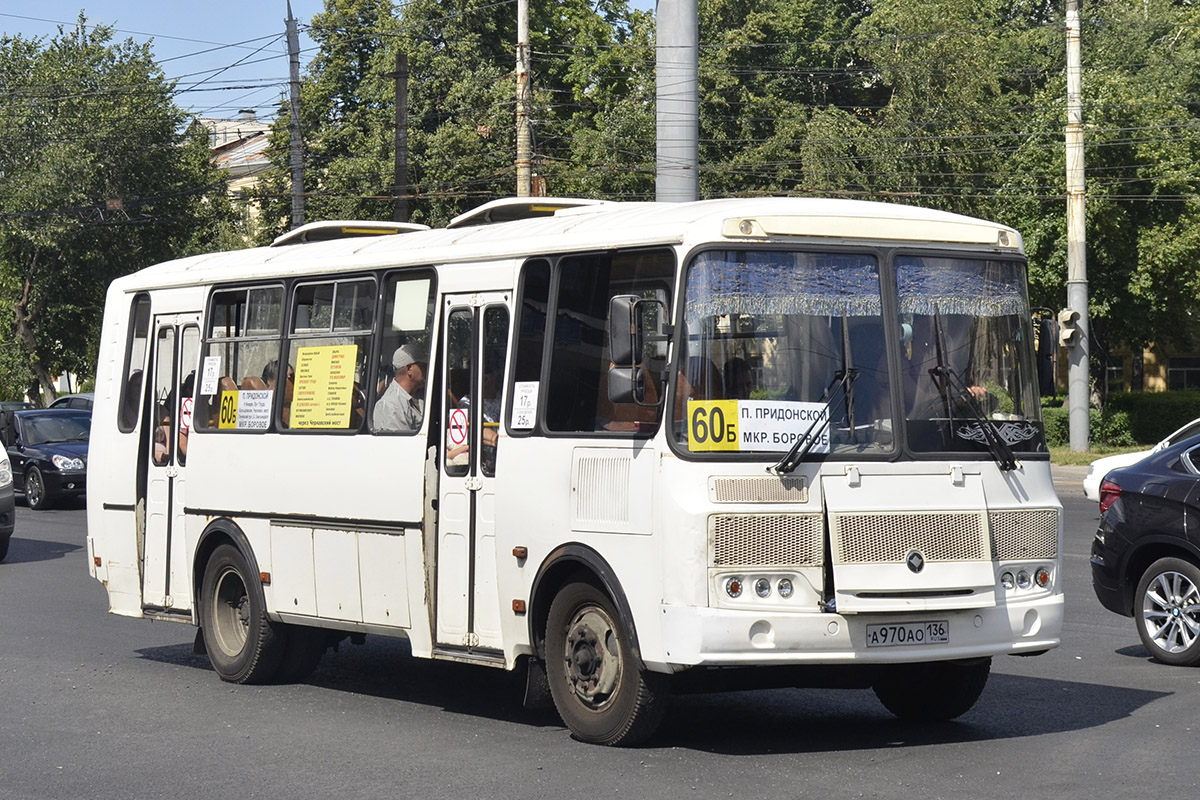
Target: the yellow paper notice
(324, 386)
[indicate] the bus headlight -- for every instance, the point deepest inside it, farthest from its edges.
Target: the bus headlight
(762, 587)
(1042, 577)
(733, 587)
(1007, 580)
(785, 588)
(1023, 579)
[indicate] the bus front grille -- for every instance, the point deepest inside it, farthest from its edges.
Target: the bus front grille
(888, 538)
(1023, 535)
(766, 540)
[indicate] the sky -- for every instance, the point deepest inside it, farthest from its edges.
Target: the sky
(227, 55)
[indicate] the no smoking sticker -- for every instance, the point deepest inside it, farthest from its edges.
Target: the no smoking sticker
(458, 426)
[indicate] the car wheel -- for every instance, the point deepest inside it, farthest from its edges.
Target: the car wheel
(243, 645)
(599, 688)
(933, 692)
(35, 490)
(1167, 610)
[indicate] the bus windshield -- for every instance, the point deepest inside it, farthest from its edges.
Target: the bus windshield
(784, 345)
(768, 336)
(966, 352)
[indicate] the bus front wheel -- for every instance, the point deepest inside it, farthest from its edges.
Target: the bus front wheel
(243, 645)
(599, 688)
(933, 692)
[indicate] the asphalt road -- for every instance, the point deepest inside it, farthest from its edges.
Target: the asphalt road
(94, 705)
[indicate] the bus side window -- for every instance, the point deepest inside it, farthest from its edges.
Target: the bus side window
(242, 334)
(135, 360)
(406, 322)
(576, 398)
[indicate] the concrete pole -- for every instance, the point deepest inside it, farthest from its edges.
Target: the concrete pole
(677, 176)
(1078, 384)
(400, 162)
(524, 147)
(295, 150)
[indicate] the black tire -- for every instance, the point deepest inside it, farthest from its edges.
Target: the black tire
(599, 689)
(302, 653)
(243, 645)
(1166, 610)
(933, 692)
(35, 490)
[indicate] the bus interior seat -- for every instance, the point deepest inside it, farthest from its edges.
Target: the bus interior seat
(253, 383)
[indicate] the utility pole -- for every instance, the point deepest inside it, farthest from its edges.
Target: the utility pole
(1078, 385)
(295, 149)
(677, 174)
(400, 213)
(524, 160)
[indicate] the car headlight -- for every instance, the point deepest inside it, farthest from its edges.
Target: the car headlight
(66, 463)
(5, 472)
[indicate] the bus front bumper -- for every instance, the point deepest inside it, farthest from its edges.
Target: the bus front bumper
(720, 637)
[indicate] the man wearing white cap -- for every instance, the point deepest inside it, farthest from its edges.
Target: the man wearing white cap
(402, 406)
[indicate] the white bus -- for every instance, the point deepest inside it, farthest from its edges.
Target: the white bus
(629, 448)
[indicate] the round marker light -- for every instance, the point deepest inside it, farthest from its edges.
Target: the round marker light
(1042, 577)
(785, 588)
(1023, 579)
(733, 587)
(1007, 581)
(762, 587)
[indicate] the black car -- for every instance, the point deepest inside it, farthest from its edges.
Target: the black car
(47, 449)
(1146, 554)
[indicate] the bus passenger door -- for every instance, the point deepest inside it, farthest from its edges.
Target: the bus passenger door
(167, 424)
(474, 351)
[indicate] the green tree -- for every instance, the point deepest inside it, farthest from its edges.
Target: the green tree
(96, 181)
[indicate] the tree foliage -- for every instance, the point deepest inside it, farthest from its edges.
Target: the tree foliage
(97, 179)
(930, 102)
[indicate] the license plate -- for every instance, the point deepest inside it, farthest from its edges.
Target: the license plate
(908, 633)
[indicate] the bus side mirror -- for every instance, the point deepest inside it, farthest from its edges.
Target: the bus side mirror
(624, 331)
(627, 385)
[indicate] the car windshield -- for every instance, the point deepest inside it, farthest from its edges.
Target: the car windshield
(53, 429)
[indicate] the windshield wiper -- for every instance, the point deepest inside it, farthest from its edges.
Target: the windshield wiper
(951, 384)
(996, 445)
(843, 380)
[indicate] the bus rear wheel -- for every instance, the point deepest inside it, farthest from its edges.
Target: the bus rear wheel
(933, 692)
(243, 645)
(601, 692)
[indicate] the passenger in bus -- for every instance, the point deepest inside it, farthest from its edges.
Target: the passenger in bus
(402, 406)
(491, 422)
(270, 375)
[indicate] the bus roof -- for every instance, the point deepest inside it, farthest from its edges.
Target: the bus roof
(590, 227)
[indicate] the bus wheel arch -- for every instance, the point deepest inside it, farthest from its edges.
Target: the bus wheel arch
(567, 564)
(243, 644)
(594, 670)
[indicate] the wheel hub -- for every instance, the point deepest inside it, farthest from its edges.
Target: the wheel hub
(593, 657)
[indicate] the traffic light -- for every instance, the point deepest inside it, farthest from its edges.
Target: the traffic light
(1068, 327)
